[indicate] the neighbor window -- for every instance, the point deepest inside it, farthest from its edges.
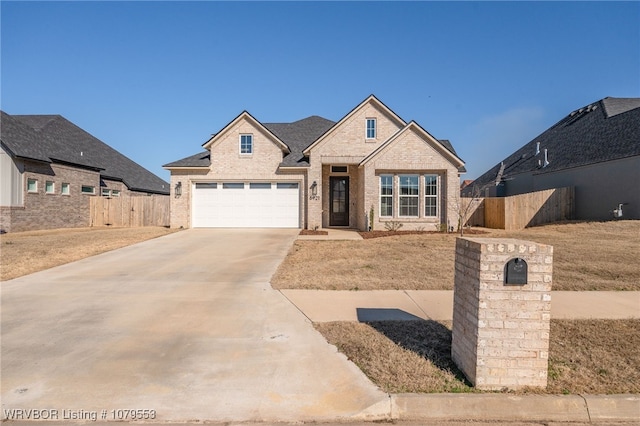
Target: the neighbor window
(115, 193)
(64, 188)
(246, 144)
(86, 189)
(106, 192)
(386, 195)
(371, 128)
(408, 200)
(32, 185)
(49, 187)
(431, 195)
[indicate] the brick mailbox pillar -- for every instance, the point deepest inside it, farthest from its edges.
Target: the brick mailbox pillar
(501, 312)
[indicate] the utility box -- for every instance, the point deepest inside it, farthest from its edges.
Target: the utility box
(502, 312)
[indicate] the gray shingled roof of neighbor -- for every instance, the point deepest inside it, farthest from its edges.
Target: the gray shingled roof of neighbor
(606, 130)
(18, 138)
(53, 138)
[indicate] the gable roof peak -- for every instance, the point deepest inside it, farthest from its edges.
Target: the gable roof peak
(361, 105)
(246, 115)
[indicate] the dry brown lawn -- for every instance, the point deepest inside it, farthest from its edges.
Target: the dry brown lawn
(585, 356)
(587, 256)
(23, 253)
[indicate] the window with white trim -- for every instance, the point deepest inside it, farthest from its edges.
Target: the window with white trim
(431, 195)
(386, 195)
(32, 185)
(246, 144)
(86, 189)
(49, 187)
(65, 189)
(408, 197)
(371, 128)
(115, 193)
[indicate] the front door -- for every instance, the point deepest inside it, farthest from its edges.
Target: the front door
(338, 201)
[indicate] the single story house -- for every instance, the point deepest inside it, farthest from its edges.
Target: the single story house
(366, 170)
(595, 149)
(50, 167)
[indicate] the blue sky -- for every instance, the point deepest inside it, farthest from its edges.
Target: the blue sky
(155, 79)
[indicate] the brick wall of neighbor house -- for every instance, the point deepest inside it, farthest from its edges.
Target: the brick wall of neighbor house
(51, 211)
(118, 186)
(412, 155)
(349, 142)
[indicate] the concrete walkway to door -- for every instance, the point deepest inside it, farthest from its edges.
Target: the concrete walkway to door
(186, 325)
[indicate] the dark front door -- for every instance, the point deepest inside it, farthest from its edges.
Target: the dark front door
(339, 201)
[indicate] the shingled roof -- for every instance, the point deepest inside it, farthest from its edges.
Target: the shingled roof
(606, 130)
(297, 136)
(53, 138)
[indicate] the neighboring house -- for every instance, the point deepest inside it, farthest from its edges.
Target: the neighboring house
(315, 173)
(595, 149)
(50, 167)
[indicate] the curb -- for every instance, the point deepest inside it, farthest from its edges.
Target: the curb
(500, 407)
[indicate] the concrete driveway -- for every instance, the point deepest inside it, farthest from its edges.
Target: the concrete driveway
(186, 325)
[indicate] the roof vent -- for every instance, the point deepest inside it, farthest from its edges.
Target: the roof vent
(546, 160)
(537, 148)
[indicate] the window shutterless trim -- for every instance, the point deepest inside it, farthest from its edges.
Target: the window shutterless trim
(88, 190)
(409, 196)
(431, 190)
(245, 146)
(371, 128)
(35, 185)
(49, 187)
(386, 196)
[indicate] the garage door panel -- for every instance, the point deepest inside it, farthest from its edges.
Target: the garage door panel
(254, 206)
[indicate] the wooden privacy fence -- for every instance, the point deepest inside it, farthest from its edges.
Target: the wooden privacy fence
(524, 210)
(129, 211)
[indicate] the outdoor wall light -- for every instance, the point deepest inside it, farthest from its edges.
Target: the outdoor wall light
(178, 189)
(314, 188)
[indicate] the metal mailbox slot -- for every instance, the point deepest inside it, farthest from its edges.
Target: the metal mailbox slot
(515, 272)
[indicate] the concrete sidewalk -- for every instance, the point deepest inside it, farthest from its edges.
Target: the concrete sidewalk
(379, 305)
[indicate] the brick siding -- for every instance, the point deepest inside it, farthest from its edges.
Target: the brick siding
(501, 332)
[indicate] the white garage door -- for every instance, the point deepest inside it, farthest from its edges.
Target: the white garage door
(245, 205)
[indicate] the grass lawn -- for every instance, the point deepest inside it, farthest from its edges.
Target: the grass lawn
(587, 256)
(585, 356)
(23, 253)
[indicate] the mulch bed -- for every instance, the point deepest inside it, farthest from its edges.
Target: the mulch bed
(378, 234)
(312, 232)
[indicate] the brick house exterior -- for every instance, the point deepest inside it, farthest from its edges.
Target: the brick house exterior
(369, 162)
(50, 168)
